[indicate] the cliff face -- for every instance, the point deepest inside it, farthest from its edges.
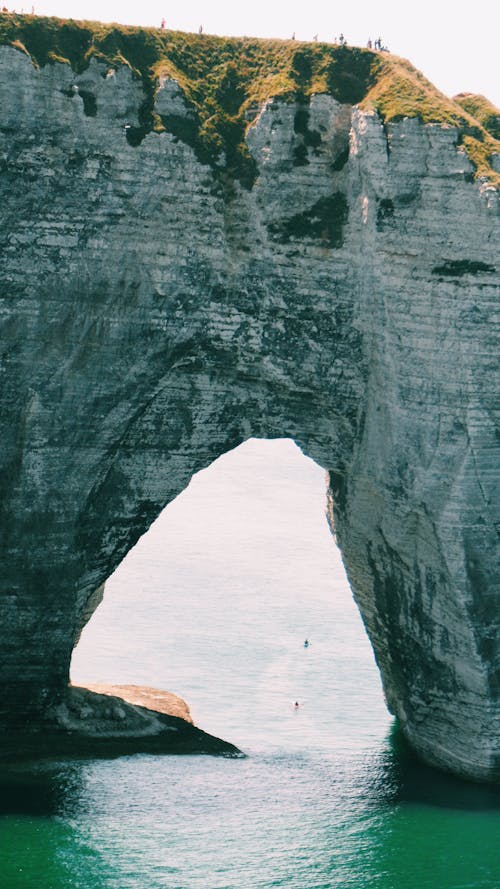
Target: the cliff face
(155, 314)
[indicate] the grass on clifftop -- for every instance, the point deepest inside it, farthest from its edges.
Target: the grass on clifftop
(483, 110)
(226, 80)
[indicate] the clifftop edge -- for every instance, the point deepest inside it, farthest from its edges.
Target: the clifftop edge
(226, 80)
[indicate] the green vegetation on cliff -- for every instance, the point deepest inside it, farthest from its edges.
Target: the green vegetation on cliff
(225, 80)
(483, 110)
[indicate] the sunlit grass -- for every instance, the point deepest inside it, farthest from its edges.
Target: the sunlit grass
(483, 110)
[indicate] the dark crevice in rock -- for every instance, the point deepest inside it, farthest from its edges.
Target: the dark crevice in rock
(387, 208)
(300, 158)
(312, 138)
(89, 103)
(385, 214)
(307, 138)
(184, 128)
(387, 139)
(457, 267)
(340, 161)
(88, 99)
(135, 135)
(323, 222)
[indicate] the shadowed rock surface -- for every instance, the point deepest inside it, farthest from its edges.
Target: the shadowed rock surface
(155, 315)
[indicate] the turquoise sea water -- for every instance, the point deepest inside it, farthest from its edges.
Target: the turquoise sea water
(214, 604)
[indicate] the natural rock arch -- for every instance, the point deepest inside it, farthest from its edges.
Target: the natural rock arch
(153, 320)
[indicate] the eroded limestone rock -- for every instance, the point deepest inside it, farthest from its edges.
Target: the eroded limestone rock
(153, 318)
(112, 721)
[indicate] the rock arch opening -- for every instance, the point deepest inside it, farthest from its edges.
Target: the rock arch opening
(215, 601)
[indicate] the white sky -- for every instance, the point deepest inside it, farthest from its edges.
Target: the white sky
(457, 46)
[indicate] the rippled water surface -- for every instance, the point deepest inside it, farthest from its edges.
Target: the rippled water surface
(214, 604)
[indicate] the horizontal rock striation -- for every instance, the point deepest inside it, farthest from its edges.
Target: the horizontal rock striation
(155, 313)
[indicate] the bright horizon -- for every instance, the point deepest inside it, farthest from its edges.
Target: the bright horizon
(435, 37)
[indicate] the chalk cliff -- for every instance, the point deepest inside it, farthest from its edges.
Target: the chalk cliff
(158, 308)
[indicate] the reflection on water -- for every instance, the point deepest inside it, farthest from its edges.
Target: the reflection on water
(391, 776)
(283, 820)
(215, 605)
(414, 782)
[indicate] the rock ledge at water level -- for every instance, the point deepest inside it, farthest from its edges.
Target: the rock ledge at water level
(113, 720)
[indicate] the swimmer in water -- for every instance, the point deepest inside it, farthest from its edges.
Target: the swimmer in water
(306, 643)
(296, 705)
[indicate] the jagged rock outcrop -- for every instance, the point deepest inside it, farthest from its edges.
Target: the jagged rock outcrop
(153, 317)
